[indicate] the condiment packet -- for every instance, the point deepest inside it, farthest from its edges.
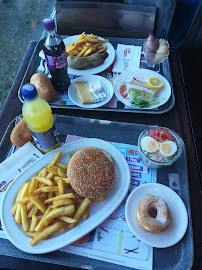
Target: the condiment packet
(127, 58)
(12, 166)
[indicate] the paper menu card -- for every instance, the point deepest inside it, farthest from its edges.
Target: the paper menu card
(12, 166)
(113, 241)
(127, 58)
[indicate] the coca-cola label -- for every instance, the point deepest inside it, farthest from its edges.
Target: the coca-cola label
(56, 62)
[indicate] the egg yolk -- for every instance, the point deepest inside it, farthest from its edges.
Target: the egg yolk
(152, 145)
(165, 148)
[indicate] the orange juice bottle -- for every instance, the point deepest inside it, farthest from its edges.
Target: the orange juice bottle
(38, 116)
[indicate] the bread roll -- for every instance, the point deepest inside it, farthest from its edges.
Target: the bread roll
(21, 134)
(43, 86)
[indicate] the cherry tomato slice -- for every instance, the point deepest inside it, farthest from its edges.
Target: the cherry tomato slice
(160, 135)
(122, 90)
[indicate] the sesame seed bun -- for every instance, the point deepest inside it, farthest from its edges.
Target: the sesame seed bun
(91, 172)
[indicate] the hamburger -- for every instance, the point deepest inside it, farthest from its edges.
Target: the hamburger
(91, 172)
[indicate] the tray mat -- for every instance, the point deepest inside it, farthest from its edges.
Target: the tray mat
(164, 71)
(179, 256)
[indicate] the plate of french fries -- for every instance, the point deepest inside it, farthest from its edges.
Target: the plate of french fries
(85, 45)
(41, 213)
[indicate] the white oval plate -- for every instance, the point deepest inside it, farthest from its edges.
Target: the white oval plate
(74, 96)
(162, 95)
(179, 218)
(98, 212)
(107, 62)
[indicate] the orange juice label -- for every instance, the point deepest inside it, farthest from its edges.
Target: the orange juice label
(46, 140)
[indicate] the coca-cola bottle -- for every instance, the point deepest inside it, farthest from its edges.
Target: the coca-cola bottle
(55, 55)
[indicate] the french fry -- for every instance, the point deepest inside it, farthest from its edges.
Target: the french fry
(103, 40)
(34, 223)
(29, 206)
(67, 219)
(44, 180)
(33, 185)
(57, 212)
(89, 51)
(61, 186)
(102, 50)
(23, 194)
(61, 165)
(23, 201)
(38, 204)
(61, 172)
(24, 217)
(41, 225)
(79, 212)
(89, 39)
(55, 159)
(44, 172)
(82, 52)
(62, 203)
(65, 179)
(60, 197)
(52, 170)
(85, 214)
(31, 234)
(33, 211)
(50, 176)
(47, 232)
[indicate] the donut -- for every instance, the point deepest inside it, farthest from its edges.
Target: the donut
(148, 223)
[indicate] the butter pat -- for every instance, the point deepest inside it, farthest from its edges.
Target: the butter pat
(84, 92)
(95, 86)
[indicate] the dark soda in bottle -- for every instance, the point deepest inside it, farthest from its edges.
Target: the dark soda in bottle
(55, 55)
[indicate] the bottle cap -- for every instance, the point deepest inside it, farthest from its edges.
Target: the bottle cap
(49, 24)
(29, 91)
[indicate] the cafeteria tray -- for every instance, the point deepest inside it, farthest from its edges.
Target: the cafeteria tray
(179, 256)
(164, 71)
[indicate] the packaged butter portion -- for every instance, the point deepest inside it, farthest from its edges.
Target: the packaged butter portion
(142, 91)
(84, 92)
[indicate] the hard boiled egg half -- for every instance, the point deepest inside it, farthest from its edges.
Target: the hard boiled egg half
(149, 144)
(168, 148)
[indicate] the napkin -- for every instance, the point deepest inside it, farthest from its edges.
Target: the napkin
(127, 58)
(11, 167)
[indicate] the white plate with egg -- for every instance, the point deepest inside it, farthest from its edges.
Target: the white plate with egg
(125, 78)
(179, 217)
(107, 62)
(98, 211)
(106, 85)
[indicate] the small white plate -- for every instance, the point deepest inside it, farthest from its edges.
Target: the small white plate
(179, 218)
(162, 95)
(98, 212)
(107, 62)
(74, 96)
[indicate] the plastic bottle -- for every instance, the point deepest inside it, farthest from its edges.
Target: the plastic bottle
(55, 55)
(38, 116)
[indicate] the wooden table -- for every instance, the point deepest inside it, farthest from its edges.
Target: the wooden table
(177, 119)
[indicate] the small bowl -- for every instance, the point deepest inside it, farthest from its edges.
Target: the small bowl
(154, 58)
(150, 163)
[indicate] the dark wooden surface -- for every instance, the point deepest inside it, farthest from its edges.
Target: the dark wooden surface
(105, 19)
(177, 119)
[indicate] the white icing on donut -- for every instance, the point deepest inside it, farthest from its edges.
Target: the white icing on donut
(162, 219)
